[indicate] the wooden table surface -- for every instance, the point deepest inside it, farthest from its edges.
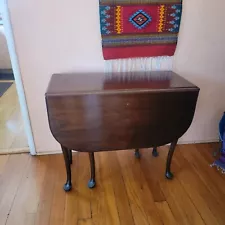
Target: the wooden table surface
(98, 112)
(84, 83)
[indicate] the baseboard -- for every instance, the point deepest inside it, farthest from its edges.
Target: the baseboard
(198, 141)
(14, 151)
(179, 142)
(50, 152)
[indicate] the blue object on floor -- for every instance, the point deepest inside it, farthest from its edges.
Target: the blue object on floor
(220, 163)
(222, 127)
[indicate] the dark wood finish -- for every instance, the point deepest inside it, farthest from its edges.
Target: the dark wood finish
(79, 84)
(155, 152)
(169, 175)
(137, 153)
(68, 184)
(91, 182)
(70, 156)
(98, 112)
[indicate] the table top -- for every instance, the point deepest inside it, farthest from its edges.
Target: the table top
(102, 83)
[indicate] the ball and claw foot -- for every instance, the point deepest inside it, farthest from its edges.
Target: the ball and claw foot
(169, 175)
(67, 186)
(137, 154)
(155, 152)
(91, 183)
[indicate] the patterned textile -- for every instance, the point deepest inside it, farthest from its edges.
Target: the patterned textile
(139, 28)
(220, 163)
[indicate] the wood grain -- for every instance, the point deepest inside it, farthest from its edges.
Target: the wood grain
(12, 133)
(3, 161)
(84, 193)
(126, 192)
(121, 198)
(10, 181)
(165, 213)
(26, 203)
(71, 204)
(47, 193)
(59, 198)
(111, 216)
(139, 194)
(117, 114)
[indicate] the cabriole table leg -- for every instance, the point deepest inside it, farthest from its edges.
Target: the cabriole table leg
(155, 152)
(70, 156)
(68, 184)
(91, 182)
(137, 153)
(168, 174)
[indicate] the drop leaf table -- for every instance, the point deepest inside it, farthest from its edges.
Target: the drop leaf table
(93, 112)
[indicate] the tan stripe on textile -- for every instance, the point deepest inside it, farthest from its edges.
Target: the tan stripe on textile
(137, 1)
(108, 37)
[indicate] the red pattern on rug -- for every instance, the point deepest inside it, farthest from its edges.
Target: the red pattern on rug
(139, 30)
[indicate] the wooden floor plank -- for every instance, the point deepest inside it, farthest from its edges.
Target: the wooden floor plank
(27, 198)
(210, 148)
(3, 161)
(209, 176)
(196, 188)
(47, 193)
(12, 132)
(29, 219)
(84, 222)
(104, 209)
(100, 203)
(121, 198)
(128, 190)
(84, 193)
(71, 203)
(182, 207)
(154, 175)
(140, 197)
(59, 197)
(10, 181)
(178, 200)
(99, 208)
(200, 196)
(166, 213)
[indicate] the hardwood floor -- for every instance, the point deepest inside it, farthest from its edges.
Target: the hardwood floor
(12, 134)
(128, 192)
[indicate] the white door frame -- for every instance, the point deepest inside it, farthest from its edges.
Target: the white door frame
(17, 75)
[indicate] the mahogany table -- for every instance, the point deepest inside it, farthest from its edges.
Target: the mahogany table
(104, 112)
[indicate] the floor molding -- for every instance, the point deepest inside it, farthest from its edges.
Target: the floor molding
(14, 151)
(198, 141)
(179, 142)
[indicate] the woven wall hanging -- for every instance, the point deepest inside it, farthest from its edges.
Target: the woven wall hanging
(139, 28)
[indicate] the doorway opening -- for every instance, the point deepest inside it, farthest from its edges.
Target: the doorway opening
(15, 129)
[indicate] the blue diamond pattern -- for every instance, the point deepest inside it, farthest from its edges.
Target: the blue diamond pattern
(140, 19)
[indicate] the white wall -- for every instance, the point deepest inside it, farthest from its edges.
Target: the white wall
(200, 57)
(63, 36)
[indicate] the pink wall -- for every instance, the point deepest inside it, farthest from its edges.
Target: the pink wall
(50, 37)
